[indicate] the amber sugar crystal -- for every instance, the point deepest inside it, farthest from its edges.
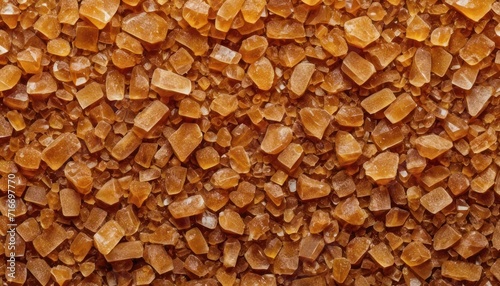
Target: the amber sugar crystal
(250, 142)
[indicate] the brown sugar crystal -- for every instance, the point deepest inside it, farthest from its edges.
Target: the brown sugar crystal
(470, 244)
(150, 116)
(357, 68)
(382, 168)
(60, 150)
(276, 139)
(187, 207)
(9, 77)
(196, 241)
(360, 31)
(261, 72)
(400, 108)
(185, 140)
(231, 222)
(315, 121)
(126, 250)
(382, 255)
(70, 202)
(431, 146)
(349, 211)
(49, 240)
(436, 200)
(378, 101)
(461, 271)
(415, 253)
(108, 236)
(300, 77)
(168, 83)
(308, 188)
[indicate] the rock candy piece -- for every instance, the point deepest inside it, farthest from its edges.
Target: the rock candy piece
(436, 200)
(458, 183)
(461, 271)
(226, 14)
(357, 68)
(473, 9)
(59, 47)
(224, 104)
(125, 251)
(350, 211)
(382, 255)
(99, 12)
(360, 32)
(60, 150)
(420, 72)
(231, 222)
(126, 146)
(465, 76)
(127, 218)
(378, 101)
(181, 61)
(108, 236)
(301, 75)
(400, 108)
(261, 72)
(315, 121)
(49, 240)
(287, 260)
(417, 29)
(90, 94)
(149, 27)
(476, 49)
(386, 135)
(478, 99)
(276, 139)
(110, 193)
(42, 83)
(285, 29)
(195, 12)
(341, 268)
(222, 56)
(169, 83)
(150, 116)
(80, 246)
(382, 168)
(431, 146)
(308, 188)
(5, 42)
(357, 248)
(156, 256)
(126, 42)
(470, 244)
(187, 207)
(9, 77)
(347, 149)
(185, 140)
(415, 253)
